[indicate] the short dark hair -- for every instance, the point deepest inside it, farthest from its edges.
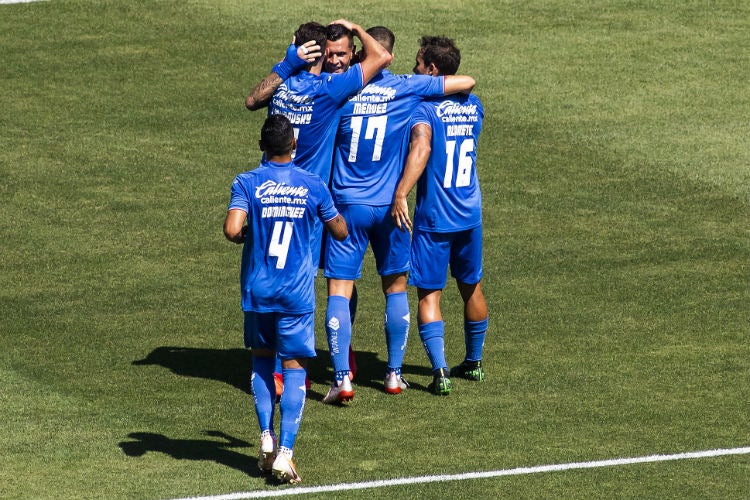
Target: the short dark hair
(384, 36)
(442, 52)
(336, 32)
(277, 135)
(310, 31)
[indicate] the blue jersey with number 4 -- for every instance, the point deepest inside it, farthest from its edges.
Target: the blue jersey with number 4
(373, 137)
(282, 203)
(448, 194)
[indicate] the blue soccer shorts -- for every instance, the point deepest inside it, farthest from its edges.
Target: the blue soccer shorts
(367, 225)
(432, 253)
(290, 335)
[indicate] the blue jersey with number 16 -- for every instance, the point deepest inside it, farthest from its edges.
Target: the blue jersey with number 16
(448, 194)
(282, 203)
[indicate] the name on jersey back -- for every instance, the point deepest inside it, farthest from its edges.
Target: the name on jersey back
(298, 108)
(372, 100)
(282, 199)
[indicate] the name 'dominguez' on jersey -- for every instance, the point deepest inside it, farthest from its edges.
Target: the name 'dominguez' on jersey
(282, 203)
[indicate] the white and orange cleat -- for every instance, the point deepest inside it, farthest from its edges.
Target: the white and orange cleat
(340, 392)
(284, 469)
(267, 452)
(394, 383)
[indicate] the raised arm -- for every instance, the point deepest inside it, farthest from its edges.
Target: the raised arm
(337, 228)
(296, 58)
(419, 153)
(454, 84)
(377, 57)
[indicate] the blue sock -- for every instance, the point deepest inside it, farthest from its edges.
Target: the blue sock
(396, 328)
(277, 367)
(291, 405)
(432, 339)
(264, 391)
(474, 334)
(339, 332)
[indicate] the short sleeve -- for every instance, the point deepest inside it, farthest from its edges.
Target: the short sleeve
(239, 199)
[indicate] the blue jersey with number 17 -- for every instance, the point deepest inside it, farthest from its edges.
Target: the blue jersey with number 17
(282, 203)
(448, 194)
(373, 140)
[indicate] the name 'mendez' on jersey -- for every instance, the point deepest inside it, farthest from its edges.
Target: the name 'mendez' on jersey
(282, 203)
(448, 195)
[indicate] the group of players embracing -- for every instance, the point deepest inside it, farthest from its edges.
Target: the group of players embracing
(344, 144)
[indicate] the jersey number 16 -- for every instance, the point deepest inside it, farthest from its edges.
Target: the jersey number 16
(464, 163)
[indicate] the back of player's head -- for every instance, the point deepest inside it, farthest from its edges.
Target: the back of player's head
(442, 52)
(277, 136)
(384, 36)
(335, 32)
(310, 31)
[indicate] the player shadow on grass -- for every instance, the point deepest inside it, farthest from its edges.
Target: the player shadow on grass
(195, 449)
(232, 366)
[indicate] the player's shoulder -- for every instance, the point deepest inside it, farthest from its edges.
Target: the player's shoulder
(306, 175)
(470, 100)
(303, 82)
(475, 99)
(354, 71)
(248, 179)
(249, 174)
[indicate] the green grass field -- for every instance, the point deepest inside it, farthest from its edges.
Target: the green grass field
(615, 164)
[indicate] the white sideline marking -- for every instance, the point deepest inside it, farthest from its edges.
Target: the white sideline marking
(475, 475)
(19, 1)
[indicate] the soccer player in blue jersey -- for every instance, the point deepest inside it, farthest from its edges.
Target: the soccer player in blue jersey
(312, 100)
(371, 145)
(281, 204)
(339, 49)
(447, 227)
(296, 58)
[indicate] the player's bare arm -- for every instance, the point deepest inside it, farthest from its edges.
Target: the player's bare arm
(234, 228)
(458, 83)
(419, 153)
(337, 228)
(261, 95)
(377, 58)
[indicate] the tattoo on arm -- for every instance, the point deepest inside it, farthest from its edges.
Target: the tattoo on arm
(262, 93)
(421, 131)
(337, 227)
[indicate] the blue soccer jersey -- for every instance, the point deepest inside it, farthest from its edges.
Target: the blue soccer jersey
(282, 203)
(372, 139)
(448, 195)
(313, 105)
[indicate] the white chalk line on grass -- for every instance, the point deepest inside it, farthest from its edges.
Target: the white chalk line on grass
(475, 475)
(20, 1)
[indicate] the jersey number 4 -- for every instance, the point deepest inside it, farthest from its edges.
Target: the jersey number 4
(280, 239)
(461, 164)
